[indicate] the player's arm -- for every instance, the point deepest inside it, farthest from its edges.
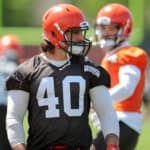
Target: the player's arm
(102, 104)
(17, 106)
(129, 76)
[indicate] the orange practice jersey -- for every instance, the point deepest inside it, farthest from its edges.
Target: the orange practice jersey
(127, 56)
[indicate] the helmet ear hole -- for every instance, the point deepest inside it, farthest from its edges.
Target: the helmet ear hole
(68, 9)
(53, 34)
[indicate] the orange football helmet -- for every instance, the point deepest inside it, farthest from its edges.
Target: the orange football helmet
(116, 14)
(59, 20)
(10, 43)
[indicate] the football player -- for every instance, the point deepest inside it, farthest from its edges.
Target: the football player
(126, 65)
(57, 86)
(8, 61)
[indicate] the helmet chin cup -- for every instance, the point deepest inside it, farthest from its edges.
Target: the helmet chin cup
(75, 49)
(79, 48)
(106, 43)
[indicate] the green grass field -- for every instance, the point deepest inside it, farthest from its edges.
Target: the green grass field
(143, 143)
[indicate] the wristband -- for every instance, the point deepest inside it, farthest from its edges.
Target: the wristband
(112, 147)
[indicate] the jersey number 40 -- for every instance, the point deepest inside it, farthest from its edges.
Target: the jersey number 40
(47, 85)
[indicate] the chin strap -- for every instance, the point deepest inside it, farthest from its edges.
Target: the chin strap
(113, 147)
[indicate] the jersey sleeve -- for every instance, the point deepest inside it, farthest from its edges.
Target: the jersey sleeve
(135, 56)
(20, 78)
(104, 78)
(98, 76)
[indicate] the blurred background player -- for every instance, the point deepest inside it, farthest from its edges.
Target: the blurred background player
(10, 51)
(126, 65)
(11, 43)
(57, 86)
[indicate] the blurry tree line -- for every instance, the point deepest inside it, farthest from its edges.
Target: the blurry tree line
(25, 12)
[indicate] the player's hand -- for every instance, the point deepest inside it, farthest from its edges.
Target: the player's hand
(113, 147)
